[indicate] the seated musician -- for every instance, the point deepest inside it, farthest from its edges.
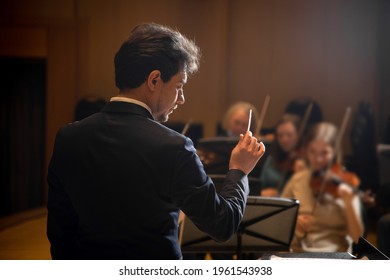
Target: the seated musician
(280, 164)
(329, 217)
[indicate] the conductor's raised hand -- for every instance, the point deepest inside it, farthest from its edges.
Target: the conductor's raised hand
(246, 153)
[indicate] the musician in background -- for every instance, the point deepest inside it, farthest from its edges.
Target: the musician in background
(118, 179)
(235, 120)
(284, 158)
(329, 218)
(298, 106)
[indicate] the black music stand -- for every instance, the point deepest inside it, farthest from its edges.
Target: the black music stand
(268, 225)
(366, 249)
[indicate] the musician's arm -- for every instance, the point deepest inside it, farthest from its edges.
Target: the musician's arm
(352, 211)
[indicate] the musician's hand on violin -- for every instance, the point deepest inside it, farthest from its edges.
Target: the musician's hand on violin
(345, 192)
(368, 198)
(269, 192)
(304, 223)
(299, 165)
(246, 153)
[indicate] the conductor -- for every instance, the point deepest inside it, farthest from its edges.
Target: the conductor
(118, 179)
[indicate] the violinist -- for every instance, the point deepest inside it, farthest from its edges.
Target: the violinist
(284, 157)
(329, 218)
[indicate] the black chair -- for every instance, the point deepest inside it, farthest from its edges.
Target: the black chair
(386, 138)
(364, 161)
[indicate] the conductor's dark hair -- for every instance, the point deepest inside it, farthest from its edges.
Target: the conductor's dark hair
(154, 47)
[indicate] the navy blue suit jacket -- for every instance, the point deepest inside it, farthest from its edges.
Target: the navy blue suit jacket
(117, 181)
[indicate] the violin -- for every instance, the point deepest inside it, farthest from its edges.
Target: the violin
(298, 163)
(329, 181)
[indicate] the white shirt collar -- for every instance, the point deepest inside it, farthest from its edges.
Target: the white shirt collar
(131, 100)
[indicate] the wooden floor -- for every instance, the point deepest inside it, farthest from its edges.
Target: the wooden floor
(23, 236)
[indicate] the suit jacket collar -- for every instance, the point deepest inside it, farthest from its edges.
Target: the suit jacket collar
(127, 108)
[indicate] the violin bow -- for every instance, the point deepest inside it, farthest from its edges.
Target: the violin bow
(186, 127)
(340, 136)
(262, 115)
(305, 119)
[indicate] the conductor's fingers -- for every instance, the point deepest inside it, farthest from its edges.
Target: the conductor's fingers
(247, 138)
(261, 148)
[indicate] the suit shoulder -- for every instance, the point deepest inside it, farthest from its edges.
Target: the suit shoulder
(81, 124)
(171, 134)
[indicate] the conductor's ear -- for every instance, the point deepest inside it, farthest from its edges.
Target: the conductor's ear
(154, 79)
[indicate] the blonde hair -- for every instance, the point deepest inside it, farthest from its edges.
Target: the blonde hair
(325, 131)
(245, 106)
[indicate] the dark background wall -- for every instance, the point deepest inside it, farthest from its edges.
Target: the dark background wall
(334, 51)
